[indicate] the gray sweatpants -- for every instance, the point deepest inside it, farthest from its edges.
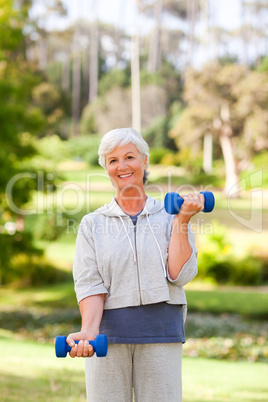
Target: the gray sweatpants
(153, 370)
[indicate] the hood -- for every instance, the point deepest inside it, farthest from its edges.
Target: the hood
(152, 206)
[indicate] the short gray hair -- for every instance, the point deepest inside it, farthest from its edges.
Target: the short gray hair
(120, 137)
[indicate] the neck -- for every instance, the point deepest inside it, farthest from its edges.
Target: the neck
(131, 202)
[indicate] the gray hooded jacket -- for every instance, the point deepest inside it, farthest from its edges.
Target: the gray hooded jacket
(129, 263)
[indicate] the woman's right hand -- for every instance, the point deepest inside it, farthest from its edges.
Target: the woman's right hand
(83, 348)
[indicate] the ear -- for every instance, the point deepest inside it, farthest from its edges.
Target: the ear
(145, 161)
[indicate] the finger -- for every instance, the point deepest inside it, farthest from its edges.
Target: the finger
(80, 349)
(90, 351)
(192, 204)
(70, 341)
(73, 351)
(86, 349)
(202, 200)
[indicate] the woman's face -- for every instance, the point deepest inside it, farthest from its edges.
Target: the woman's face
(125, 166)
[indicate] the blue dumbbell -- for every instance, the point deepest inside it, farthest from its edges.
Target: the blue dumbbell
(173, 202)
(100, 346)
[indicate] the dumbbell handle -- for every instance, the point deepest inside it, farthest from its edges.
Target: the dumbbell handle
(173, 202)
(100, 346)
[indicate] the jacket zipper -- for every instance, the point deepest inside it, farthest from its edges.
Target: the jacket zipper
(138, 272)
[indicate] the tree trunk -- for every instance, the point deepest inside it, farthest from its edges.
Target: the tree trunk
(226, 132)
(244, 34)
(135, 83)
(191, 18)
(65, 74)
(93, 70)
(204, 17)
(76, 93)
(154, 58)
(231, 177)
(42, 53)
(207, 153)
(85, 74)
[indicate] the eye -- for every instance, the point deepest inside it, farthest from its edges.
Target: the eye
(129, 157)
(111, 161)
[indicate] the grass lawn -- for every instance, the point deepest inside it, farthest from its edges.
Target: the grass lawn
(245, 301)
(248, 301)
(31, 372)
(214, 380)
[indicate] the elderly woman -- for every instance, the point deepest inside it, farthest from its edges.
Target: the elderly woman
(132, 260)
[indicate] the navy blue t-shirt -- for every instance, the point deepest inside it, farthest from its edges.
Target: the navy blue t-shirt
(152, 323)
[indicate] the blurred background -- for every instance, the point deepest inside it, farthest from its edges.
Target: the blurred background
(192, 77)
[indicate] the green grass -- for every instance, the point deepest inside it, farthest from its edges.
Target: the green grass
(246, 302)
(213, 380)
(61, 295)
(31, 372)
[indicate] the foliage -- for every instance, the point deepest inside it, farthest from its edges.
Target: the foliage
(85, 148)
(34, 271)
(156, 135)
(216, 261)
(263, 66)
(156, 155)
(54, 105)
(114, 78)
(52, 148)
(21, 263)
(227, 337)
(115, 110)
(241, 347)
(12, 245)
(46, 226)
(21, 118)
(230, 102)
(257, 164)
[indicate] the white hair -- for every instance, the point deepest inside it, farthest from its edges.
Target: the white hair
(121, 137)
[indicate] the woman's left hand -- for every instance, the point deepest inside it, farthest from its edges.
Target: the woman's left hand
(193, 203)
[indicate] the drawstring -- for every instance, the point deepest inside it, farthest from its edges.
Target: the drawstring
(163, 265)
(133, 251)
(134, 254)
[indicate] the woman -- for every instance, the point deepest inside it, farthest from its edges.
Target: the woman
(132, 260)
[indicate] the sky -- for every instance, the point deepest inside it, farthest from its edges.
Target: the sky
(123, 13)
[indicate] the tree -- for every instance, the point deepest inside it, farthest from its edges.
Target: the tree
(230, 102)
(115, 109)
(19, 119)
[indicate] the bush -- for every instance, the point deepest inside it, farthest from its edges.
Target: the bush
(217, 262)
(35, 271)
(156, 134)
(23, 264)
(170, 158)
(156, 155)
(12, 245)
(190, 161)
(84, 147)
(52, 147)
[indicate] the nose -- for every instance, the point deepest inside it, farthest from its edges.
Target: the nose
(122, 164)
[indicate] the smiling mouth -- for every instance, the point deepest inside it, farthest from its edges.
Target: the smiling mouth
(123, 176)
